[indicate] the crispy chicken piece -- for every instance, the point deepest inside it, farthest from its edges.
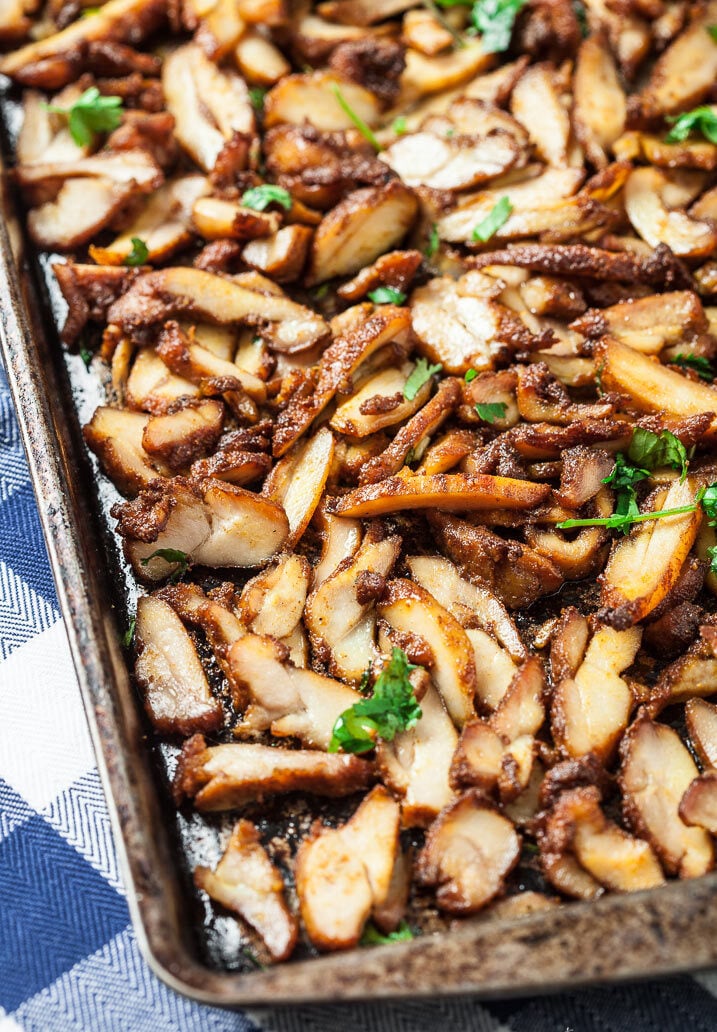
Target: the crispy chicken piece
(469, 852)
(340, 539)
(701, 718)
(167, 669)
(659, 222)
(454, 163)
(698, 806)
(297, 481)
(179, 438)
(692, 676)
(599, 104)
(283, 698)
(647, 324)
(591, 707)
(360, 857)
(410, 609)
(379, 402)
(209, 522)
(656, 772)
(82, 208)
(116, 436)
(340, 614)
(247, 882)
(224, 777)
(312, 98)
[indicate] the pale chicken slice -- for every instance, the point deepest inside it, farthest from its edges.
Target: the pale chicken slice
(169, 672)
(286, 699)
(179, 438)
(116, 438)
(379, 402)
(224, 777)
(247, 882)
(412, 612)
(340, 539)
(297, 482)
(340, 614)
(658, 222)
(82, 208)
(592, 708)
(312, 98)
(600, 105)
(416, 764)
(344, 875)
(701, 720)
(537, 104)
(453, 163)
(469, 852)
(152, 387)
(698, 806)
(209, 105)
(521, 711)
(656, 772)
(484, 760)
(272, 603)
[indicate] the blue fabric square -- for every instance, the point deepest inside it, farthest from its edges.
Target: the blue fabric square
(56, 909)
(13, 811)
(22, 545)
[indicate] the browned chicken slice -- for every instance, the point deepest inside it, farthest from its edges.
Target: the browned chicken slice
(116, 436)
(701, 720)
(453, 163)
(600, 105)
(224, 777)
(284, 698)
(692, 676)
(344, 874)
(298, 480)
(698, 806)
(170, 674)
(469, 852)
(656, 772)
(657, 222)
(246, 882)
(647, 324)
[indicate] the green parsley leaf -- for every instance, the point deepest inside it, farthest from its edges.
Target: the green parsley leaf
(387, 296)
(171, 555)
(258, 198)
(700, 119)
(139, 253)
(470, 375)
(709, 504)
(581, 16)
(89, 12)
(129, 633)
(701, 365)
(493, 221)
(619, 521)
(356, 119)
(420, 374)
(434, 242)
(399, 125)
(253, 959)
(256, 96)
(654, 451)
(712, 556)
(321, 292)
(491, 410)
(365, 683)
(712, 31)
(391, 708)
(495, 19)
(86, 356)
(450, 132)
(91, 113)
(372, 937)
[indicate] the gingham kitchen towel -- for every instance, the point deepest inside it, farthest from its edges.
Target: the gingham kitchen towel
(68, 959)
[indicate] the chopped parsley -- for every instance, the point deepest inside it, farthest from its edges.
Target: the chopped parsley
(91, 113)
(399, 125)
(365, 131)
(321, 292)
(86, 356)
(258, 198)
(712, 31)
(387, 296)
(489, 411)
(391, 708)
(139, 253)
(470, 375)
(129, 633)
(420, 374)
(700, 119)
(698, 363)
(494, 20)
(171, 555)
(372, 937)
(581, 17)
(657, 450)
(433, 242)
(712, 556)
(623, 521)
(256, 96)
(496, 218)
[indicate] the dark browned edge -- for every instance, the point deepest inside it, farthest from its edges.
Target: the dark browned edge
(666, 930)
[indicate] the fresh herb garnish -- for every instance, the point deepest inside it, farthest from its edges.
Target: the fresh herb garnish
(89, 12)
(712, 31)
(321, 292)
(709, 504)
(139, 253)
(171, 555)
(91, 113)
(700, 119)
(365, 682)
(258, 198)
(256, 96)
(620, 521)
(86, 356)
(391, 708)
(493, 221)
(129, 633)
(253, 959)
(489, 411)
(581, 17)
(372, 937)
(420, 374)
(399, 125)
(701, 365)
(387, 296)
(356, 119)
(433, 242)
(712, 556)
(654, 451)
(470, 375)
(494, 20)
(598, 379)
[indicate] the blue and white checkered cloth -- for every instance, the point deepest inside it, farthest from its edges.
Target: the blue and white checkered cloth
(68, 958)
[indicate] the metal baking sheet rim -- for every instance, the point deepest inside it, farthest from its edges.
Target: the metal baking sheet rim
(668, 930)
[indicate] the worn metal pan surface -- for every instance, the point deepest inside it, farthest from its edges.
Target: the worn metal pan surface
(670, 929)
